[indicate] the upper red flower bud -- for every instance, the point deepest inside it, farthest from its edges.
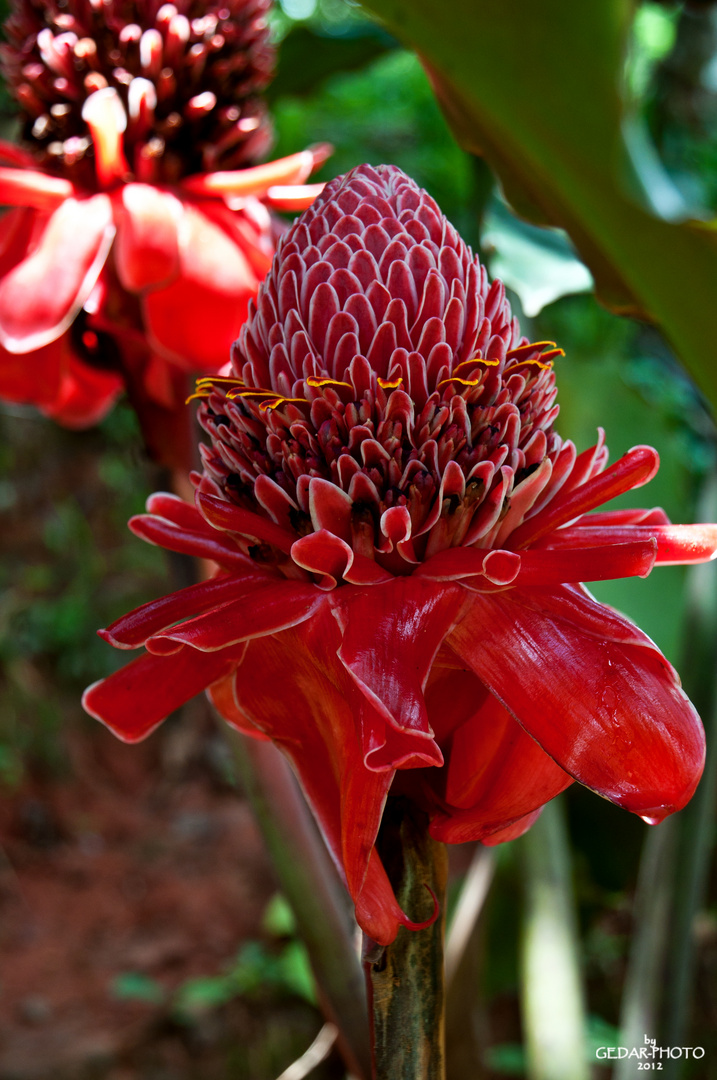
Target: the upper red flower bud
(380, 359)
(185, 80)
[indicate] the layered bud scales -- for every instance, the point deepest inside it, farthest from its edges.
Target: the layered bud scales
(380, 359)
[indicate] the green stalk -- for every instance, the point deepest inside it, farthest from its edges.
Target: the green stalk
(695, 824)
(405, 979)
(675, 862)
(643, 982)
(309, 881)
(552, 994)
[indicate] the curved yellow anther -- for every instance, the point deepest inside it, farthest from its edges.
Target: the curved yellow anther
(267, 406)
(456, 379)
(316, 381)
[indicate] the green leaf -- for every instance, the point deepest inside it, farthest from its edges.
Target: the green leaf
(328, 53)
(278, 918)
(539, 264)
(134, 986)
(536, 88)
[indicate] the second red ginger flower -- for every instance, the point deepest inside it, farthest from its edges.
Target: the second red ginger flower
(400, 534)
(139, 231)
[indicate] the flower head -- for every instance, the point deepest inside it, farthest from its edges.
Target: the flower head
(187, 77)
(141, 226)
(400, 534)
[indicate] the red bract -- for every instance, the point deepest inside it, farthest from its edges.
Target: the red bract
(400, 535)
(139, 234)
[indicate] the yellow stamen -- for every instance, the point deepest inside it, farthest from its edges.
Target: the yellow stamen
(463, 382)
(219, 379)
(389, 384)
(314, 380)
(268, 405)
(544, 361)
(250, 392)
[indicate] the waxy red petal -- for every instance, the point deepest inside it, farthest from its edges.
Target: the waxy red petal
(677, 545)
(222, 515)
(223, 698)
(215, 278)
(133, 629)
(40, 297)
(635, 468)
(512, 832)
(146, 251)
(291, 198)
(377, 912)
(202, 544)
(259, 178)
(546, 567)
(496, 775)
(138, 697)
(391, 635)
(453, 564)
(33, 378)
(592, 690)
(28, 187)
(266, 607)
(314, 721)
(85, 394)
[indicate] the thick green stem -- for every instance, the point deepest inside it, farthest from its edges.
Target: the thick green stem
(310, 883)
(552, 995)
(405, 979)
(644, 979)
(695, 824)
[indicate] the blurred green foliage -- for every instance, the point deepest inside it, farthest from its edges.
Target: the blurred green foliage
(277, 966)
(68, 566)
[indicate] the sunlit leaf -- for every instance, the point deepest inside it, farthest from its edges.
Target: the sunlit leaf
(536, 89)
(539, 264)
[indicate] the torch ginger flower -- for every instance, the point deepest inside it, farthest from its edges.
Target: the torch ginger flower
(139, 234)
(400, 534)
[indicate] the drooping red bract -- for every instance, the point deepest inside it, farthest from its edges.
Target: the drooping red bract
(141, 225)
(400, 535)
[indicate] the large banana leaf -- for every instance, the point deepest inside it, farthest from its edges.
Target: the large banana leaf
(535, 86)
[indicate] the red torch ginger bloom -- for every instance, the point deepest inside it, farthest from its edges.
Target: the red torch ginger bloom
(400, 534)
(139, 234)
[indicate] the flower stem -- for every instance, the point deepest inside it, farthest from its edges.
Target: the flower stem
(695, 824)
(405, 979)
(553, 1010)
(310, 883)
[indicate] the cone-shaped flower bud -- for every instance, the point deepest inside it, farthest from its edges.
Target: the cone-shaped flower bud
(141, 226)
(400, 534)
